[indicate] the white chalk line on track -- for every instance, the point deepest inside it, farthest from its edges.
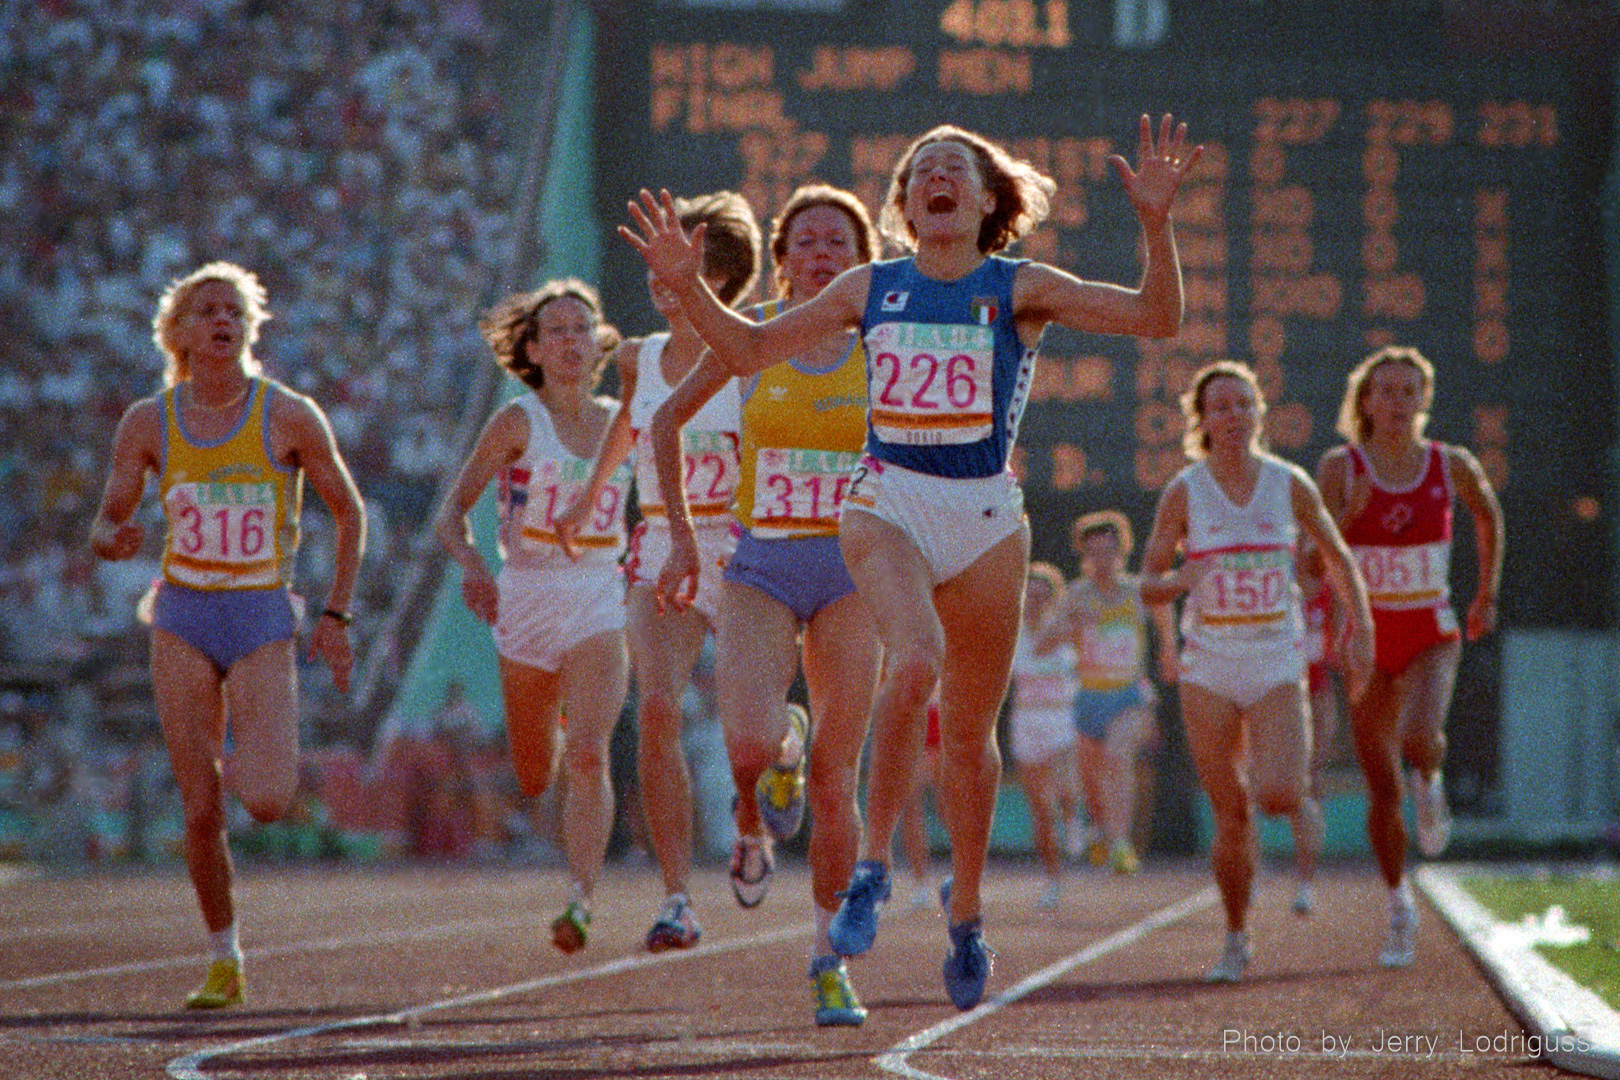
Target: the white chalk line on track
(190, 1066)
(388, 937)
(894, 1059)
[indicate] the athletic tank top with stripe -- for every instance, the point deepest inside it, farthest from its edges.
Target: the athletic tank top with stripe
(708, 442)
(1250, 594)
(1042, 684)
(802, 433)
(947, 378)
(543, 482)
(1402, 537)
(1113, 638)
(232, 509)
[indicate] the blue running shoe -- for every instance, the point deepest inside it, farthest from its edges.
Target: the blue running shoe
(945, 894)
(967, 965)
(854, 925)
(836, 1003)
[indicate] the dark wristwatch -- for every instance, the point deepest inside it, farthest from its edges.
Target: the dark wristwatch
(344, 617)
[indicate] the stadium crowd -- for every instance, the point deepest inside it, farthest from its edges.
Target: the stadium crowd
(354, 154)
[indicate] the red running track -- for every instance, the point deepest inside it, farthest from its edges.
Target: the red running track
(449, 973)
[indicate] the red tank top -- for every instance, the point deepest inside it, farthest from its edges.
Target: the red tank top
(1402, 537)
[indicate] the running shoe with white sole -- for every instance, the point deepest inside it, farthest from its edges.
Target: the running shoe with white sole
(571, 929)
(752, 864)
(1236, 956)
(853, 927)
(677, 926)
(779, 791)
(223, 986)
(1400, 947)
(836, 1003)
(1431, 814)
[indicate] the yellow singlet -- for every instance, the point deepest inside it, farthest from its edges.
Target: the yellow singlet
(232, 510)
(802, 434)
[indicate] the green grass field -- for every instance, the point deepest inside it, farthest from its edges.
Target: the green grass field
(1586, 902)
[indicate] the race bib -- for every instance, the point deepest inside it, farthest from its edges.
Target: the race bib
(553, 488)
(1406, 576)
(712, 469)
(1248, 590)
(223, 528)
(930, 385)
(1110, 653)
(800, 489)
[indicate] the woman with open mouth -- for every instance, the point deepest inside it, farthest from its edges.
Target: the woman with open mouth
(933, 529)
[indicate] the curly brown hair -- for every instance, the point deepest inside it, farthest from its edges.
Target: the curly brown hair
(731, 244)
(516, 320)
(807, 197)
(1023, 193)
(1195, 441)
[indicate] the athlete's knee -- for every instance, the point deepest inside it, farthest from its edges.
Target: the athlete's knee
(1280, 798)
(585, 760)
(914, 672)
(268, 801)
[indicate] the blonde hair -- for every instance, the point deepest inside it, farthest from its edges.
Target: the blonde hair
(176, 300)
(807, 197)
(1101, 521)
(1048, 573)
(1354, 424)
(1023, 194)
(1195, 441)
(514, 321)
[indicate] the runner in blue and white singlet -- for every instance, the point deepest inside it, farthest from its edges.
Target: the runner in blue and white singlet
(933, 530)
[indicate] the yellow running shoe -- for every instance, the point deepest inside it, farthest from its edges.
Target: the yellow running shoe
(779, 792)
(836, 1003)
(222, 987)
(1122, 857)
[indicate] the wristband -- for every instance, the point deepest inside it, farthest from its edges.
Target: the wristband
(344, 617)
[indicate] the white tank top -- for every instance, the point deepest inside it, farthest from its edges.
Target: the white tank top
(1250, 595)
(709, 442)
(543, 482)
(1042, 685)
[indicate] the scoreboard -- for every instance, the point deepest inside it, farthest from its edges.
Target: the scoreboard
(1379, 187)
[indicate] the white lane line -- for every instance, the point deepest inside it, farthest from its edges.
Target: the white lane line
(894, 1059)
(390, 937)
(190, 1066)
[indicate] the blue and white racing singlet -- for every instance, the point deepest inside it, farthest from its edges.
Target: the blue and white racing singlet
(947, 378)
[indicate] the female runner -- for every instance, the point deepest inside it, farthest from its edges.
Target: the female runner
(803, 423)
(230, 450)
(933, 529)
(1238, 512)
(1392, 491)
(558, 622)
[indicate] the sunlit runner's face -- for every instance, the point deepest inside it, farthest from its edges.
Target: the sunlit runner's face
(821, 244)
(1231, 415)
(945, 193)
(1392, 398)
(565, 341)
